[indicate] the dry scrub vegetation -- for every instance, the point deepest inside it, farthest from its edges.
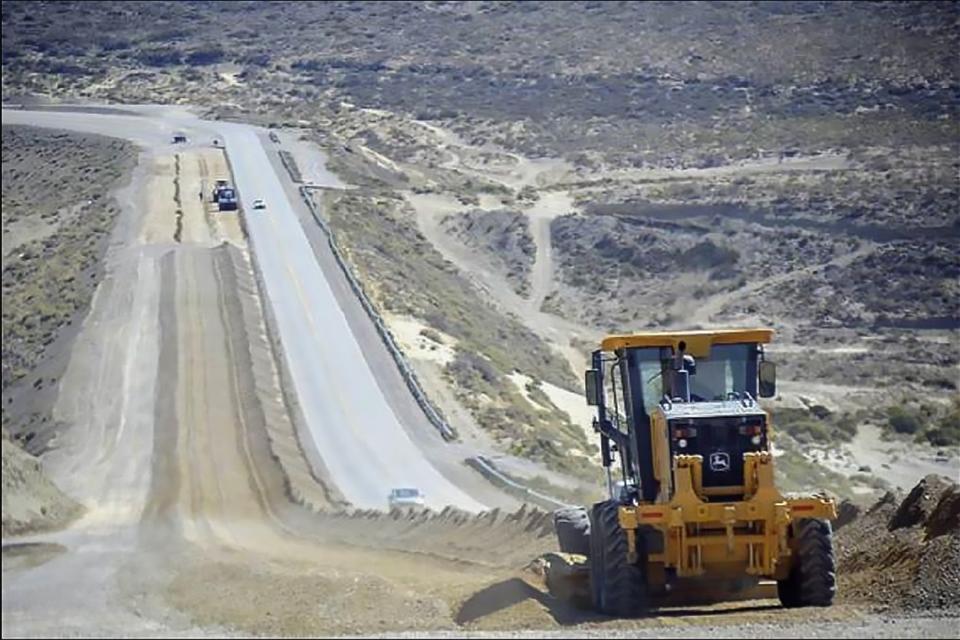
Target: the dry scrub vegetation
(405, 275)
(57, 218)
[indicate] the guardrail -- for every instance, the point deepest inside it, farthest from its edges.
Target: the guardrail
(479, 463)
(432, 413)
(517, 490)
(290, 164)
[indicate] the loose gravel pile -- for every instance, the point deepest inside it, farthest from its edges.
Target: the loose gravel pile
(904, 553)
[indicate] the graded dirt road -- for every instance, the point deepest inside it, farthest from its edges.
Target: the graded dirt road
(182, 449)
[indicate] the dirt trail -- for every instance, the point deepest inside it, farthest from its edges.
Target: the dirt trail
(702, 312)
(515, 172)
(431, 208)
(550, 205)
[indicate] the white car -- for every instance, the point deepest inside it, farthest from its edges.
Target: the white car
(259, 204)
(406, 498)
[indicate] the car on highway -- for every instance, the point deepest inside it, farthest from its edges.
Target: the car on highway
(259, 204)
(406, 497)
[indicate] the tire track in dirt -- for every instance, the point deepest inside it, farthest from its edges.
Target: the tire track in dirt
(164, 479)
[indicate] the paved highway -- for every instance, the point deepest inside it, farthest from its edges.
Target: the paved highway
(363, 445)
(365, 448)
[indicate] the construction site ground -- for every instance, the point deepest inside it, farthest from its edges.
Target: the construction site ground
(202, 517)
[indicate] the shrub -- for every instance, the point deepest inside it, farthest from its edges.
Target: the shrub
(903, 420)
(947, 431)
(210, 55)
(816, 425)
(160, 57)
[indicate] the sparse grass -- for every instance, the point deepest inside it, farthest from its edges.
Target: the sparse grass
(876, 482)
(503, 237)
(927, 422)
(405, 275)
(946, 431)
(579, 496)
(48, 280)
(817, 425)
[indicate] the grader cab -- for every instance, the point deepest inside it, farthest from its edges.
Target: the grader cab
(697, 508)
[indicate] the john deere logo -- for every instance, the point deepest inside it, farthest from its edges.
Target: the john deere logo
(719, 461)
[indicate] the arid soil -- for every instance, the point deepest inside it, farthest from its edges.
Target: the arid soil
(781, 188)
(904, 551)
(58, 212)
(30, 501)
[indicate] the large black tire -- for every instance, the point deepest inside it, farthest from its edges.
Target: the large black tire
(618, 588)
(813, 575)
(572, 525)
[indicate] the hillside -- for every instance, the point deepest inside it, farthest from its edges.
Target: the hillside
(592, 167)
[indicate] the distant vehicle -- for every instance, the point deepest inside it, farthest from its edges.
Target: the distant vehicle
(179, 138)
(220, 187)
(259, 204)
(406, 497)
(227, 199)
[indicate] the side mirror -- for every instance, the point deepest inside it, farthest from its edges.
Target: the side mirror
(591, 388)
(768, 379)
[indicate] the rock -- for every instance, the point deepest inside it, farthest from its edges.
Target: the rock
(945, 517)
(920, 502)
(847, 512)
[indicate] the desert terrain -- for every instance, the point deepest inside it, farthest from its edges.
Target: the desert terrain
(506, 184)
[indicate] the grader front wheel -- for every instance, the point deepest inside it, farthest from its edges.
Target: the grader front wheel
(618, 587)
(813, 576)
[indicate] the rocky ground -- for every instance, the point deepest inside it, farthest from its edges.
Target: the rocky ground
(903, 552)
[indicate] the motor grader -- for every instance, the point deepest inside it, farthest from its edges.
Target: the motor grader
(697, 510)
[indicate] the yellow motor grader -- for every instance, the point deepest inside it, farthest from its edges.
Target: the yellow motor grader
(697, 509)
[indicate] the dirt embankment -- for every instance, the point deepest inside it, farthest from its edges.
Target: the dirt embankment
(57, 218)
(903, 553)
(31, 503)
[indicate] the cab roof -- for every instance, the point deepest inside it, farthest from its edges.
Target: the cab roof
(698, 343)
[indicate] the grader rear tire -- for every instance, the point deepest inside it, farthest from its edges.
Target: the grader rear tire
(813, 577)
(618, 587)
